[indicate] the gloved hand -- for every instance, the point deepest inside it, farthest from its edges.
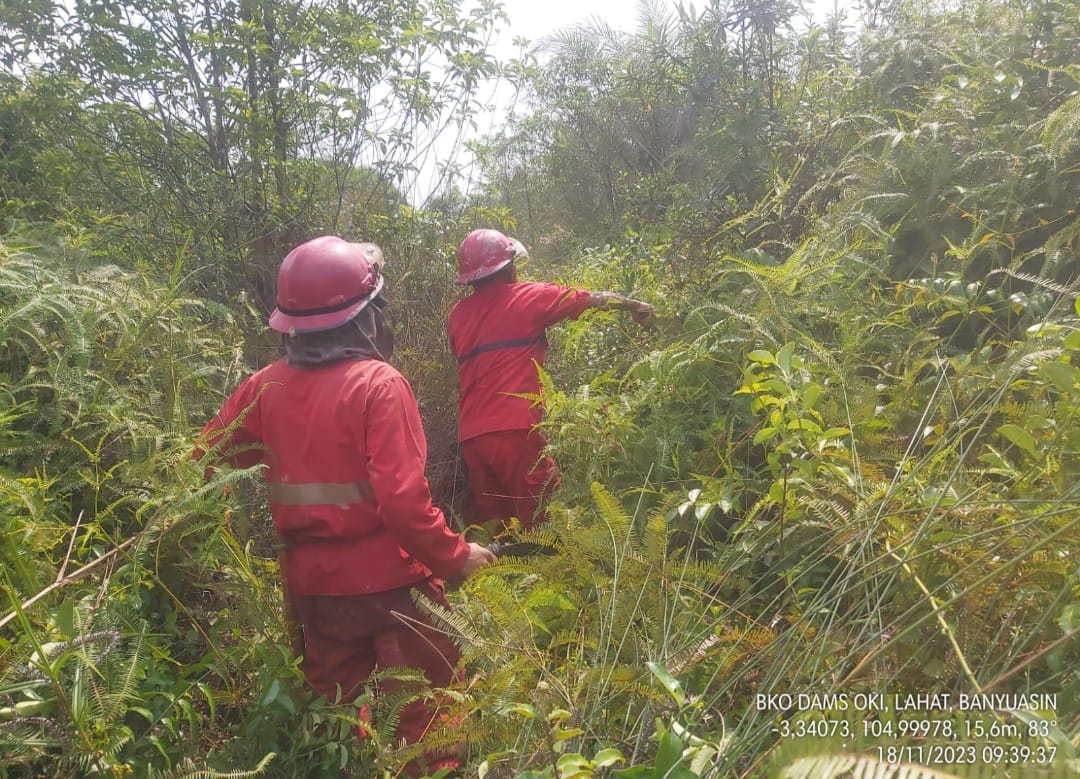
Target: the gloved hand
(478, 556)
(641, 312)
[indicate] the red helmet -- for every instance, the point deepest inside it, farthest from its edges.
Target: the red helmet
(484, 252)
(324, 283)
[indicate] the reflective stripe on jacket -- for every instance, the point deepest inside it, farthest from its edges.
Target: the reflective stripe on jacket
(345, 452)
(497, 336)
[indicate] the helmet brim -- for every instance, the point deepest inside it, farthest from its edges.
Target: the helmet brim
(482, 273)
(317, 323)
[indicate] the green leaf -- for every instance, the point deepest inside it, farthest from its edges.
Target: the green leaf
(671, 684)
(804, 424)
(558, 735)
(65, 618)
(812, 393)
(783, 357)
(669, 753)
(1061, 375)
(762, 356)
(271, 694)
(608, 757)
(573, 765)
(765, 434)
(143, 712)
(1020, 437)
(521, 709)
(209, 695)
(1069, 620)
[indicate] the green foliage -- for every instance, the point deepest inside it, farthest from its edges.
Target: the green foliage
(585, 637)
(844, 460)
(828, 561)
(882, 487)
(230, 130)
(139, 633)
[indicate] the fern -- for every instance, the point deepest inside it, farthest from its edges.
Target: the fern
(835, 766)
(189, 771)
(1061, 133)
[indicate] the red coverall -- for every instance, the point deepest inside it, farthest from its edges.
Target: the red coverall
(497, 336)
(345, 454)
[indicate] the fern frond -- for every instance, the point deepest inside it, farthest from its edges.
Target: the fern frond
(189, 771)
(1039, 281)
(1031, 359)
(612, 513)
(1061, 133)
(691, 657)
(830, 511)
(835, 766)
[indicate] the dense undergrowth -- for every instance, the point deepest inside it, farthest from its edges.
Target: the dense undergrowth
(843, 462)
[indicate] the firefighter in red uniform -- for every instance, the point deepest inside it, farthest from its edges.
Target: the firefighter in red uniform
(497, 335)
(339, 432)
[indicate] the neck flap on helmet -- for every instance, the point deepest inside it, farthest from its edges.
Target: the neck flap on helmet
(368, 336)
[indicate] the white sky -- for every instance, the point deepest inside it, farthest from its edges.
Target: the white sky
(536, 19)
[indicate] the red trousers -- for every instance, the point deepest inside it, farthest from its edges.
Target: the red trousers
(510, 476)
(346, 637)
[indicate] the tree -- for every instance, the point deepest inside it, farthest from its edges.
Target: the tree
(235, 128)
(631, 130)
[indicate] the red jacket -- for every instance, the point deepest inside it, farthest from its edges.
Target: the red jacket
(497, 336)
(345, 452)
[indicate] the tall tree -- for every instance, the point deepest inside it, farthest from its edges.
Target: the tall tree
(203, 118)
(631, 129)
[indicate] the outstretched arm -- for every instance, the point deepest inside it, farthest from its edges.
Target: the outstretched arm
(640, 311)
